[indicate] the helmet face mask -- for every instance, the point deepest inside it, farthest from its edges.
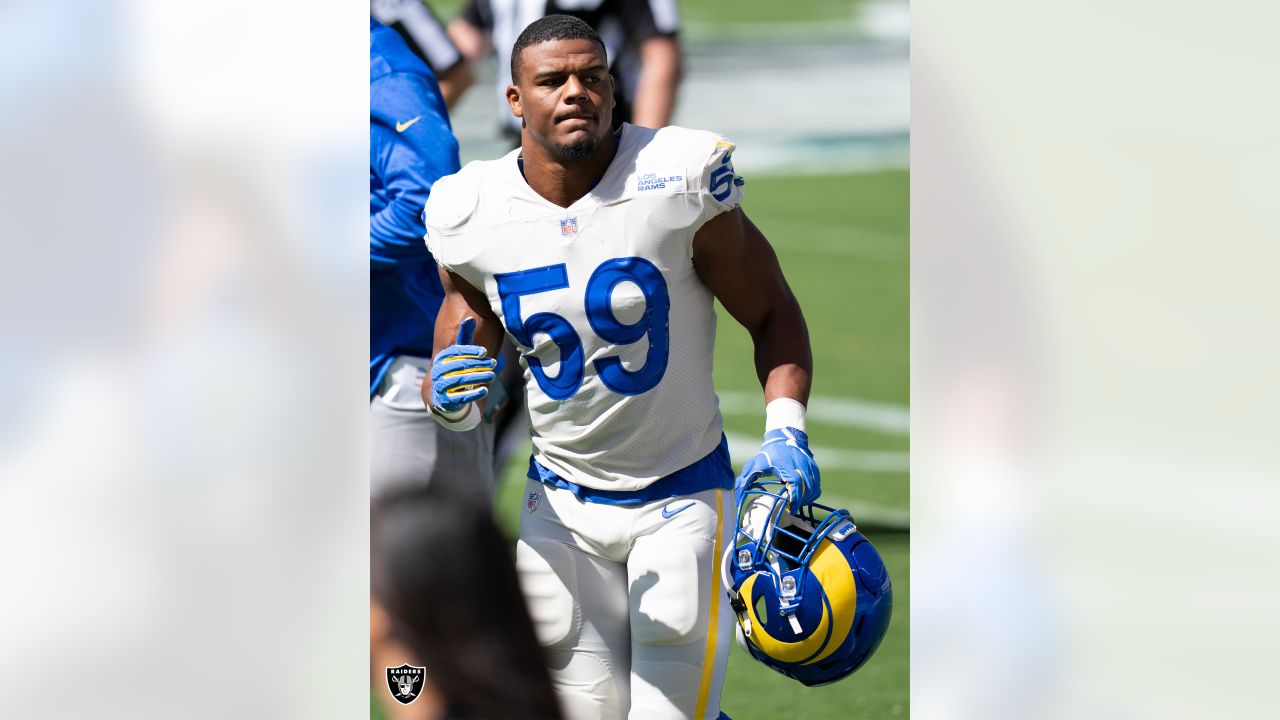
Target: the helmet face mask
(811, 594)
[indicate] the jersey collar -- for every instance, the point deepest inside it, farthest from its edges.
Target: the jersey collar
(590, 197)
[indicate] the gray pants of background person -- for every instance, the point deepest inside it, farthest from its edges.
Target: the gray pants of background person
(408, 448)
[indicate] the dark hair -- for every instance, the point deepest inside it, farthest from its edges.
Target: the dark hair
(445, 575)
(552, 27)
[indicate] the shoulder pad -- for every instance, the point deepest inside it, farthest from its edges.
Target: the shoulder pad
(674, 144)
(453, 199)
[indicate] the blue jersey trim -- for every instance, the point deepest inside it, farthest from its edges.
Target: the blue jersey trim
(713, 471)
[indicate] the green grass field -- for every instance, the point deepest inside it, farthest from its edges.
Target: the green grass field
(842, 242)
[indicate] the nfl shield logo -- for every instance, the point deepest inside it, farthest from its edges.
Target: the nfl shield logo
(405, 682)
(532, 503)
(569, 227)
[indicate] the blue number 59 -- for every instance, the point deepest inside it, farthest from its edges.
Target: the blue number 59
(599, 310)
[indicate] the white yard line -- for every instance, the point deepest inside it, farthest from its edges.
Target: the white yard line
(742, 447)
(867, 513)
(841, 240)
(849, 412)
(844, 233)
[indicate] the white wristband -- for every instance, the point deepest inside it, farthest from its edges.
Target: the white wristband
(459, 421)
(783, 412)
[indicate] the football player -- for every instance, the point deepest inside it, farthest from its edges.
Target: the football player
(601, 253)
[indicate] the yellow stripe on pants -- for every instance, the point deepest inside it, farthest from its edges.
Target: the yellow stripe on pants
(709, 657)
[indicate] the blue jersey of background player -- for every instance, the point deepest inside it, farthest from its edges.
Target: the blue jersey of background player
(411, 145)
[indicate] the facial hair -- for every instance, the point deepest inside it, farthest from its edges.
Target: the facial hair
(578, 151)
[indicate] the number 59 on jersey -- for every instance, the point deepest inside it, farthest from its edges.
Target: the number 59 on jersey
(597, 299)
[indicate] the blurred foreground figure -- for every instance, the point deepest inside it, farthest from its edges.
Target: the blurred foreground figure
(445, 597)
(411, 145)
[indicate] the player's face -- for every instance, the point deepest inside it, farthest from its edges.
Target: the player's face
(565, 95)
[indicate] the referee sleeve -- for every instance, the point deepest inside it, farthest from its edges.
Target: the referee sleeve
(478, 14)
(645, 19)
(421, 30)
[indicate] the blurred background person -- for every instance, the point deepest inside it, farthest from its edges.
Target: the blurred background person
(445, 596)
(423, 32)
(640, 37)
(411, 145)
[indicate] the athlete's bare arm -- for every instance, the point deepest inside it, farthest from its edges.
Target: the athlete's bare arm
(454, 82)
(473, 42)
(735, 261)
(659, 82)
(461, 301)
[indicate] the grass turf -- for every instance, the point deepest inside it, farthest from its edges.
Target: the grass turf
(842, 243)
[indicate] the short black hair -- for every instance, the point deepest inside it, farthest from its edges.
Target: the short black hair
(553, 27)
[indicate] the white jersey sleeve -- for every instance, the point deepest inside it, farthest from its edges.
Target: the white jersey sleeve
(449, 218)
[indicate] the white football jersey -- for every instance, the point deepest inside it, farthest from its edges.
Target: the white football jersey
(615, 329)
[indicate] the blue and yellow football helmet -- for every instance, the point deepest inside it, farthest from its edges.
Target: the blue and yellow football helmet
(812, 596)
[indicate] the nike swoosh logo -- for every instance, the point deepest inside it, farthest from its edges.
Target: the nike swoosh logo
(402, 126)
(672, 513)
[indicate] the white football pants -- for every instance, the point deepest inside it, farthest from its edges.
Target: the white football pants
(628, 602)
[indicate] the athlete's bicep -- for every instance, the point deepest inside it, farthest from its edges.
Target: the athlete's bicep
(735, 261)
(461, 301)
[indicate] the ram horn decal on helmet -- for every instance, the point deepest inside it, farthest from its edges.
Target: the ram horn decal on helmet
(811, 594)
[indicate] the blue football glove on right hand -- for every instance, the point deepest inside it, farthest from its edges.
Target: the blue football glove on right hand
(785, 454)
(461, 372)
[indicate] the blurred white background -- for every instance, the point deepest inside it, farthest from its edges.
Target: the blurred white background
(1093, 360)
(183, 522)
(183, 517)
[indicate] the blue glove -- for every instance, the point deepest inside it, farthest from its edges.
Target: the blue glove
(460, 372)
(785, 454)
